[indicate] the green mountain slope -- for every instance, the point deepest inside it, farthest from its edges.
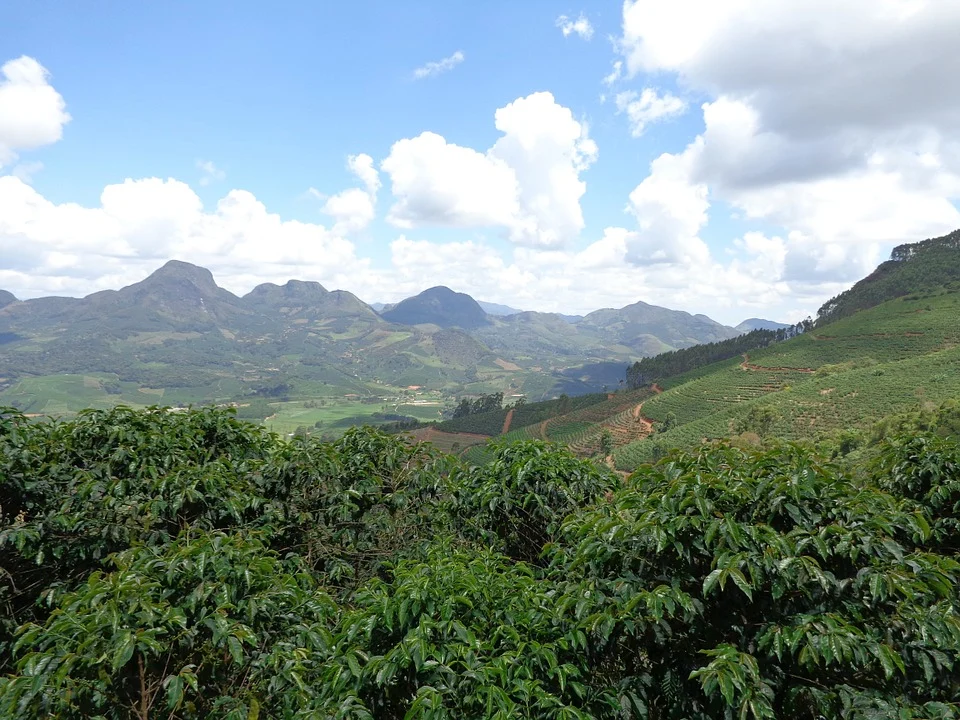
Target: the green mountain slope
(834, 379)
(912, 268)
(901, 355)
(898, 357)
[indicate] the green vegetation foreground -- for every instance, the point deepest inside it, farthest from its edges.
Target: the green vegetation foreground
(156, 564)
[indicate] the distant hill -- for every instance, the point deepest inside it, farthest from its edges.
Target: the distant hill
(6, 298)
(751, 324)
(438, 306)
(178, 297)
(298, 299)
(912, 268)
(642, 327)
(497, 309)
(177, 336)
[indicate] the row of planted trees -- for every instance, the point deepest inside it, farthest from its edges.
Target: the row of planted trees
(188, 565)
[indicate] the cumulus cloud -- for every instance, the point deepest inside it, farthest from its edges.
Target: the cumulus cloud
(826, 119)
(648, 107)
(438, 67)
(615, 73)
(51, 248)
(210, 172)
(439, 183)
(528, 183)
(65, 248)
(581, 26)
(362, 166)
(355, 208)
(32, 113)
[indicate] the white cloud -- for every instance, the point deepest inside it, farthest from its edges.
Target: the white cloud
(26, 170)
(439, 66)
(670, 213)
(615, 74)
(436, 182)
(51, 248)
(211, 173)
(648, 107)
(528, 183)
(32, 113)
(355, 208)
(826, 119)
(362, 166)
(581, 26)
(352, 210)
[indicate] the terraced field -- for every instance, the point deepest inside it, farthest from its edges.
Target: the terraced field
(580, 429)
(620, 416)
(888, 359)
(729, 385)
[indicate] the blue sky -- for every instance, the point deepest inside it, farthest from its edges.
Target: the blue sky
(277, 98)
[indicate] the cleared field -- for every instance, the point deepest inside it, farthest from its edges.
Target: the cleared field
(335, 415)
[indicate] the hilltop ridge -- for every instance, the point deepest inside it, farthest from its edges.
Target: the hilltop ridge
(912, 267)
(438, 306)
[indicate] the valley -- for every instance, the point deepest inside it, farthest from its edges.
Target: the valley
(177, 338)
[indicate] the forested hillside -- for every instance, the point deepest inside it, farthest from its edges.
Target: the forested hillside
(184, 565)
(912, 268)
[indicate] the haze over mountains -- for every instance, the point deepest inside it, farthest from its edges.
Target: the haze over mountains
(177, 327)
(180, 294)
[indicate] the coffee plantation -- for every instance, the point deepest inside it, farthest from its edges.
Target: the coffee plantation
(179, 565)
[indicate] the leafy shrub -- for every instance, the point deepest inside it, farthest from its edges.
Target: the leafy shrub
(186, 565)
(763, 584)
(517, 500)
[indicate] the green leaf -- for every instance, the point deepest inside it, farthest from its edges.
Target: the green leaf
(236, 649)
(123, 650)
(174, 691)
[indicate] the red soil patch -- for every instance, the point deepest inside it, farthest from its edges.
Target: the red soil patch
(506, 422)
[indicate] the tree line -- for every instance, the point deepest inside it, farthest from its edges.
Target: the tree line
(660, 367)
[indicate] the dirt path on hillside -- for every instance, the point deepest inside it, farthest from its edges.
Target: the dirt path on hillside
(746, 365)
(542, 430)
(506, 422)
(646, 422)
(656, 388)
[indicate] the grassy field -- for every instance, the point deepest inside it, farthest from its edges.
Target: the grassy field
(336, 415)
(60, 395)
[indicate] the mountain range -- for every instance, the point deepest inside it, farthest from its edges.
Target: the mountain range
(178, 329)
